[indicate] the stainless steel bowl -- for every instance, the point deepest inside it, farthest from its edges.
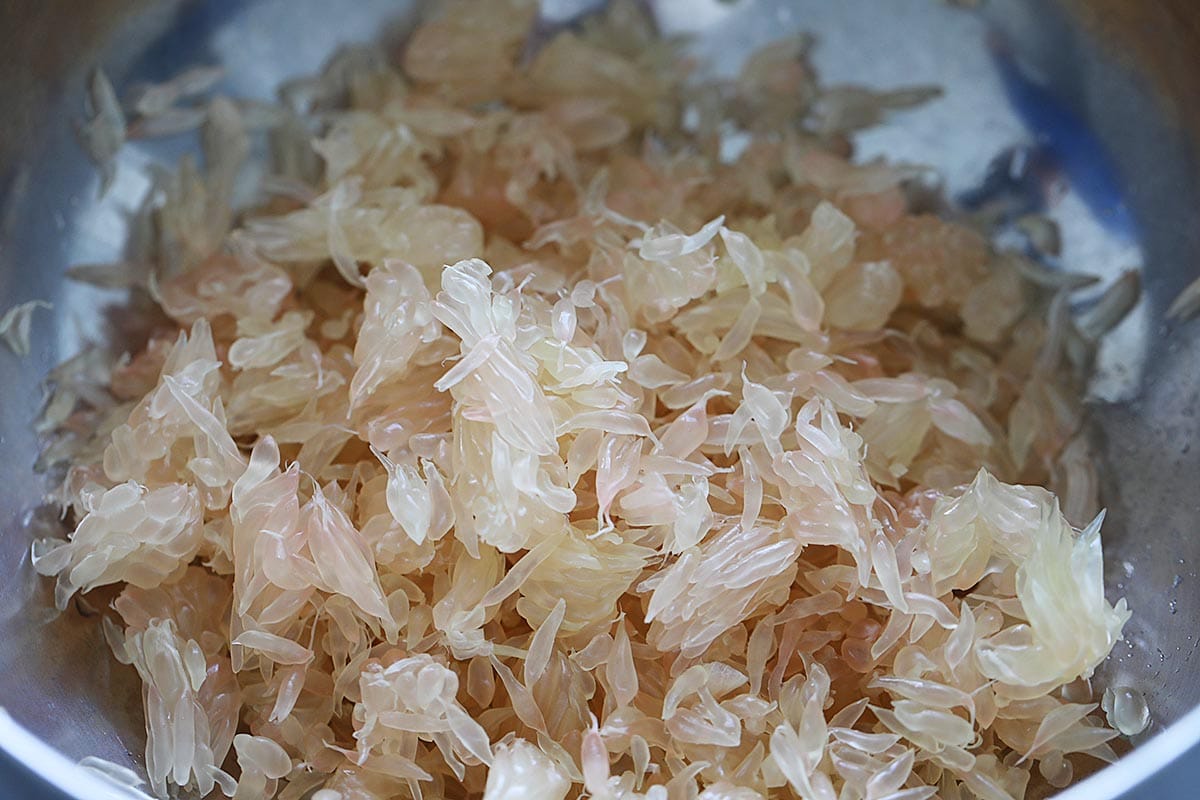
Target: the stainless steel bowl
(1105, 93)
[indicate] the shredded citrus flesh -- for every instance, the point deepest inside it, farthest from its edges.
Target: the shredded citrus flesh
(518, 444)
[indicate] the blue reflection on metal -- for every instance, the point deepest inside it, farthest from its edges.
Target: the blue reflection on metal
(1064, 154)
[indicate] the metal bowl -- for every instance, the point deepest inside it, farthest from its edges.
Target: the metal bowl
(1104, 94)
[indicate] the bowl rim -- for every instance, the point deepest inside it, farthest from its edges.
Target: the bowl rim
(53, 769)
(1149, 759)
